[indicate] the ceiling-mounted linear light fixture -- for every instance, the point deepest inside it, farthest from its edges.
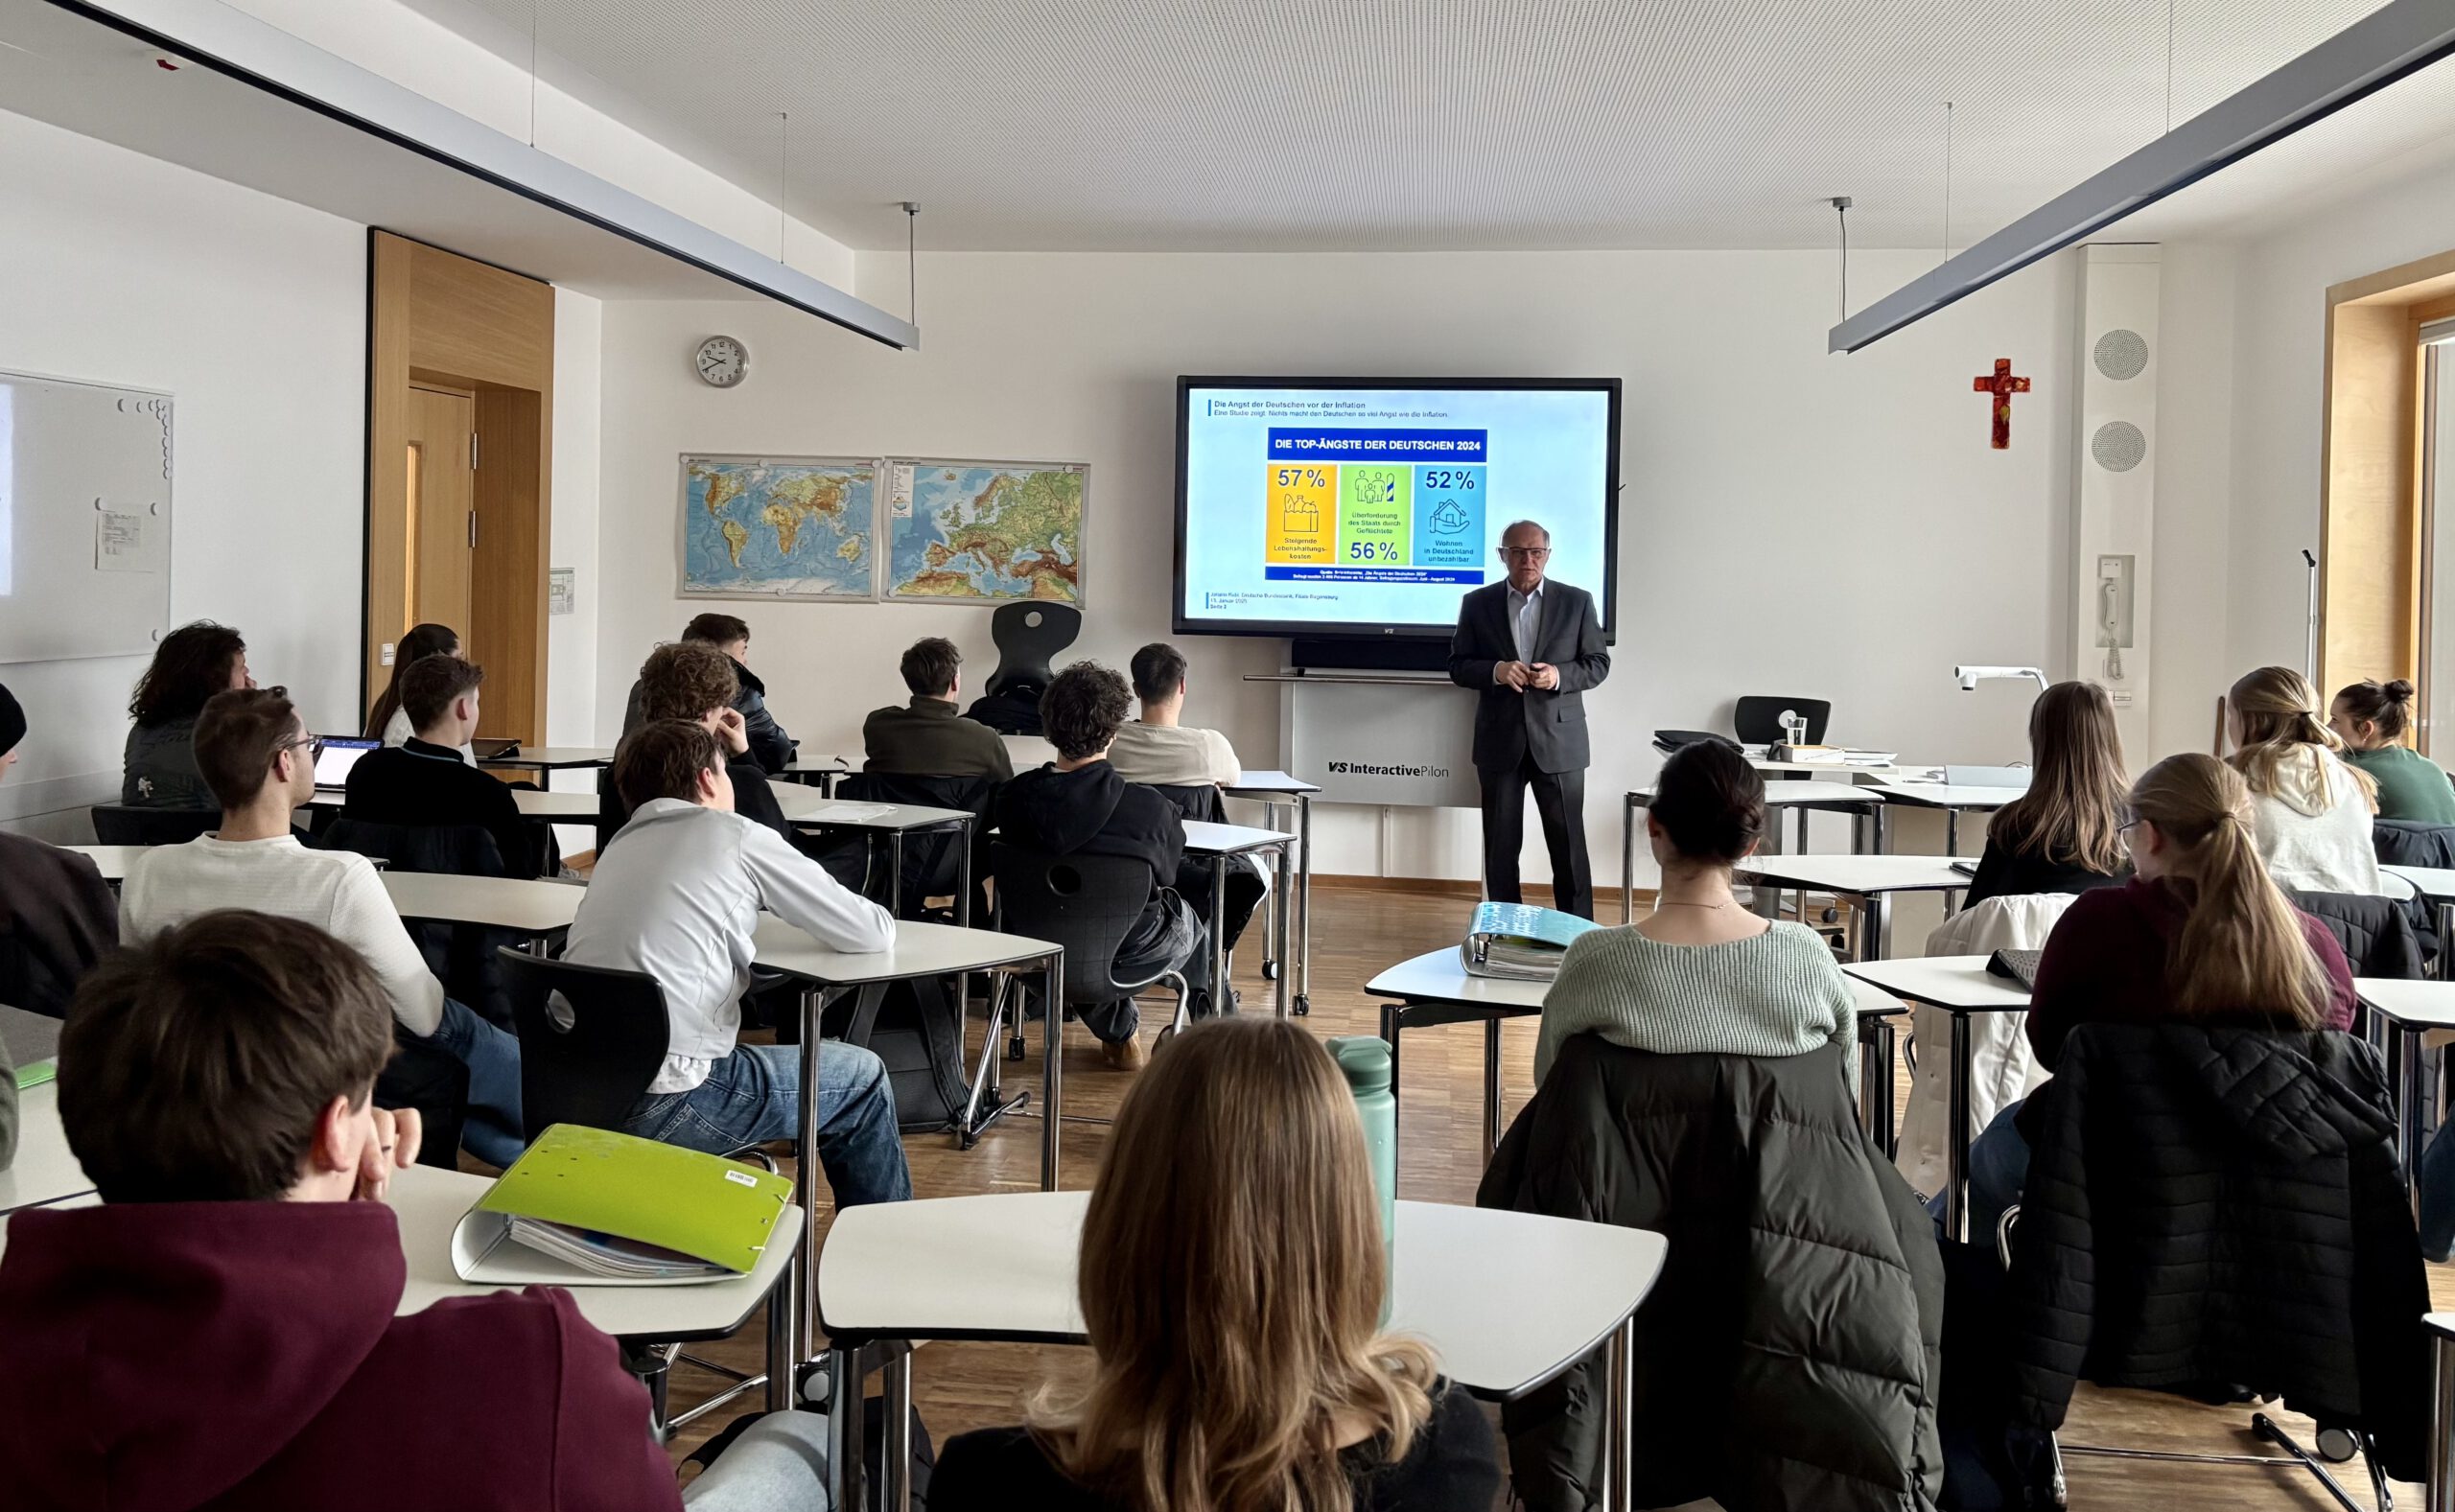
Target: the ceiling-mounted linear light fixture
(224, 40)
(2396, 39)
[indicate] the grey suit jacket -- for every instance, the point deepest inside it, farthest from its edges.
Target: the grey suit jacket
(1548, 723)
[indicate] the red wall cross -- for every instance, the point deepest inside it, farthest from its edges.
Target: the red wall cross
(2002, 386)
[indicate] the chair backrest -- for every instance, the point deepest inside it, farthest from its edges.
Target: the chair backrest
(929, 860)
(2375, 933)
(1088, 904)
(589, 1063)
(2409, 842)
(1029, 633)
(446, 849)
(1198, 802)
(1757, 719)
(118, 825)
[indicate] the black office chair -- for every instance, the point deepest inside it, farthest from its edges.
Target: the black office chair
(1088, 904)
(589, 1065)
(461, 956)
(119, 824)
(1196, 803)
(931, 860)
(1029, 633)
(1757, 720)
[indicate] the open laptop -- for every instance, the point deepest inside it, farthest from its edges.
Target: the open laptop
(340, 754)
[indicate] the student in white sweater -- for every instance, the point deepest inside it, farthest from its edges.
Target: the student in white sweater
(1701, 974)
(1156, 749)
(677, 894)
(2311, 808)
(258, 758)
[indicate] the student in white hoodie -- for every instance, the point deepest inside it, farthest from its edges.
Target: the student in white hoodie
(2312, 808)
(677, 894)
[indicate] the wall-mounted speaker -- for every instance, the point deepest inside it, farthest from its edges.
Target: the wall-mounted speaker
(2114, 518)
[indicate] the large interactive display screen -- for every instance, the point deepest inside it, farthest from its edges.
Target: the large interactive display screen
(1369, 506)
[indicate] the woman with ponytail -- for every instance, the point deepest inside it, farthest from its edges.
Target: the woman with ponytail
(2371, 717)
(2199, 932)
(2310, 809)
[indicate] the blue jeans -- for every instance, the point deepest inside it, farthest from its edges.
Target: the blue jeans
(754, 1095)
(1998, 1168)
(493, 1133)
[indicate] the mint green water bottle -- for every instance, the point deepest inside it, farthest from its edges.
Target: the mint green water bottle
(1365, 1059)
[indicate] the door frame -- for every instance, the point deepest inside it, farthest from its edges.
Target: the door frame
(440, 320)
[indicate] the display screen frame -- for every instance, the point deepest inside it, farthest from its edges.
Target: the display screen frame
(1606, 592)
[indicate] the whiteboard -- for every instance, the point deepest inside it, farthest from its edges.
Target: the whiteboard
(85, 520)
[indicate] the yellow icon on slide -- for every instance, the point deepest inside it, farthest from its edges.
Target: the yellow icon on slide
(1300, 512)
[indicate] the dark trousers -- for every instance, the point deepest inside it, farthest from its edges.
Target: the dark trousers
(1559, 797)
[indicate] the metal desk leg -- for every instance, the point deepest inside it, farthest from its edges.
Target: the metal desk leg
(1220, 996)
(1304, 904)
(1628, 858)
(895, 874)
(1392, 1020)
(1052, 1044)
(1620, 1469)
(2438, 1494)
(2406, 1067)
(1875, 927)
(1491, 1088)
(844, 1404)
(1952, 831)
(783, 1361)
(1956, 1141)
(894, 1473)
(1279, 906)
(963, 983)
(2446, 942)
(1876, 1041)
(1273, 937)
(806, 1176)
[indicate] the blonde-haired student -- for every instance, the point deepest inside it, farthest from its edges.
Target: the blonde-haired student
(2310, 809)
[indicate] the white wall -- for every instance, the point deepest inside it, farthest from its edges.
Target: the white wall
(1836, 525)
(251, 311)
(571, 640)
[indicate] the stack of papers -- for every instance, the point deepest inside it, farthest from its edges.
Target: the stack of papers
(842, 813)
(1869, 757)
(610, 1255)
(1519, 941)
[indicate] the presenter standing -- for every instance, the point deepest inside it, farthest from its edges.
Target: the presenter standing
(1531, 648)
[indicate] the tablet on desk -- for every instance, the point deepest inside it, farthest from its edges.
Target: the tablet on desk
(340, 754)
(486, 751)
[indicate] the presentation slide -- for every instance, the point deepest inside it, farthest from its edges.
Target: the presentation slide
(1371, 508)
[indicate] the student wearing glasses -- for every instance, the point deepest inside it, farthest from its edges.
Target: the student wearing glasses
(259, 763)
(1530, 647)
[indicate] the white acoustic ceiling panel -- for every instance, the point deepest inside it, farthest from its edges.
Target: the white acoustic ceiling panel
(1339, 125)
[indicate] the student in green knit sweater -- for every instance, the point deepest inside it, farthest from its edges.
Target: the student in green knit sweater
(1701, 974)
(2372, 717)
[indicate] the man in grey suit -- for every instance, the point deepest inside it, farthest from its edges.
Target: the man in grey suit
(1531, 648)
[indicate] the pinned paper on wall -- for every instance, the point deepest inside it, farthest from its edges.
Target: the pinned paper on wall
(119, 543)
(560, 591)
(899, 489)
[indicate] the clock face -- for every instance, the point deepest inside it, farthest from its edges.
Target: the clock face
(722, 360)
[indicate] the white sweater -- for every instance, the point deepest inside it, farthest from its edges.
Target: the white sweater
(336, 890)
(1173, 756)
(676, 894)
(2314, 830)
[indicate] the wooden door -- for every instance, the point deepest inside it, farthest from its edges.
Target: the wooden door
(443, 429)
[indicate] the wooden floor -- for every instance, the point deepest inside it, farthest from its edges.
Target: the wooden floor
(1356, 934)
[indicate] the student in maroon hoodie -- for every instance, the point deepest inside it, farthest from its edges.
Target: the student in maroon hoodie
(220, 1334)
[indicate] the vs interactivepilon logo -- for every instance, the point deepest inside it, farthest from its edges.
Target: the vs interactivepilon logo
(1371, 769)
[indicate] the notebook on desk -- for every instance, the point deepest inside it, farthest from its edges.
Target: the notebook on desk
(340, 754)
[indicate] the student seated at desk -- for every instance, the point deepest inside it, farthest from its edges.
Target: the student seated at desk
(423, 782)
(2371, 718)
(677, 895)
(2199, 932)
(1157, 751)
(57, 913)
(389, 720)
(926, 737)
(193, 663)
(2311, 809)
(768, 744)
(1701, 974)
(223, 1106)
(259, 763)
(695, 681)
(1232, 1304)
(1079, 805)
(2065, 834)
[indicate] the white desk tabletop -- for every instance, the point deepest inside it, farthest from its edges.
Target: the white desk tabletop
(44, 1170)
(1948, 795)
(1204, 839)
(2442, 1324)
(1438, 976)
(817, 763)
(1772, 768)
(551, 758)
(1857, 874)
(1255, 784)
(2431, 882)
(1508, 1300)
(2414, 1005)
(526, 906)
(112, 861)
(802, 806)
(919, 950)
(1027, 752)
(1957, 982)
(429, 1202)
(1777, 794)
